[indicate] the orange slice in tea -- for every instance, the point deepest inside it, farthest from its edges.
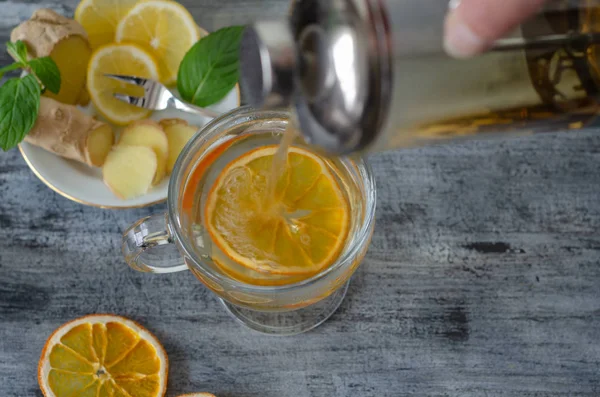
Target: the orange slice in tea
(297, 228)
(102, 356)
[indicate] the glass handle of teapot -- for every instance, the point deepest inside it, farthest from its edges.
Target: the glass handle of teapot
(149, 246)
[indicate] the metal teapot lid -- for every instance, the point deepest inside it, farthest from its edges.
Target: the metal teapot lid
(331, 62)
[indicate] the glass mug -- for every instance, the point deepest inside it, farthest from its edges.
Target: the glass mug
(171, 242)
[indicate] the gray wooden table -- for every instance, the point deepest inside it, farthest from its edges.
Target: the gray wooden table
(483, 278)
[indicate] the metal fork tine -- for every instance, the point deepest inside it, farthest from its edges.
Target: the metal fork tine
(156, 96)
(132, 100)
(129, 79)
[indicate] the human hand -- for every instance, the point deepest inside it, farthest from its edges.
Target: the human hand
(472, 26)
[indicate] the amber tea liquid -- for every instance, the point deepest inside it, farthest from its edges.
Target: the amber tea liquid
(281, 140)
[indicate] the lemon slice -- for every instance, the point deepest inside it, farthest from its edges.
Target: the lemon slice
(100, 18)
(102, 356)
(299, 230)
(165, 29)
(125, 59)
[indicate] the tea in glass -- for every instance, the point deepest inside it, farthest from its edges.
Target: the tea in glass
(273, 228)
(269, 210)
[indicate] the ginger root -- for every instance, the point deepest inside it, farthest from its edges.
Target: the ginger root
(129, 170)
(149, 134)
(66, 42)
(68, 132)
(179, 133)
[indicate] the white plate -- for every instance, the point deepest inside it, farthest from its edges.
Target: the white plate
(84, 185)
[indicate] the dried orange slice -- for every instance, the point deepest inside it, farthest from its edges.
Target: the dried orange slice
(102, 356)
(298, 230)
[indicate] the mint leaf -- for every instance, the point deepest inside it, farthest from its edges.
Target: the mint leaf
(19, 107)
(17, 50)
(47, 72)
(210, 69)
(9, 68)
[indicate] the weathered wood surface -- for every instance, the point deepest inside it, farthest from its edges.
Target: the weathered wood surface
(483, 278)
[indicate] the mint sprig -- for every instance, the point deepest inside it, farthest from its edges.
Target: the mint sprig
(10, 68)
(17, 50)
(20, 96)
(210, 69)
(19, 107)
(47, 72)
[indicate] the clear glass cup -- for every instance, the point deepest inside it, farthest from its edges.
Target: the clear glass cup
(168, 243)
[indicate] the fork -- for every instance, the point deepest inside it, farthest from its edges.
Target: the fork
(156, 97)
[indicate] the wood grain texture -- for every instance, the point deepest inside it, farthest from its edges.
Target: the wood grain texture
(483, 278)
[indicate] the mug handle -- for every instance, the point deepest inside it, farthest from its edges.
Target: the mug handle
(149, 246)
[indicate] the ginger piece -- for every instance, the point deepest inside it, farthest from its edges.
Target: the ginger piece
(179, 133)
(149, 133)
(129, 170)
(84, 98)
(68, 132)
(66, 42)
(164, 123)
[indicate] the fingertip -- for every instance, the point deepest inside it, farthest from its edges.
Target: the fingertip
(459, 39)
(472, 26)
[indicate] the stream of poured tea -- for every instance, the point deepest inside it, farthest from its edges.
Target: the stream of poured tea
(280, 161)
